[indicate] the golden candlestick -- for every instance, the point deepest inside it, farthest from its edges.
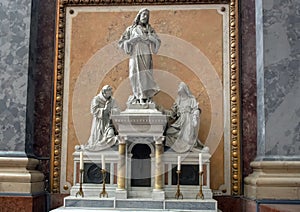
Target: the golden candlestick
(80, 192)
(200, 193)
(178, 193)
(103, 193)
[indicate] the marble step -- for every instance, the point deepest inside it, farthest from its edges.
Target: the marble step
(111, 204)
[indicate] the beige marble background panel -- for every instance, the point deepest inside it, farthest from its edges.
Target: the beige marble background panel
(91, 31)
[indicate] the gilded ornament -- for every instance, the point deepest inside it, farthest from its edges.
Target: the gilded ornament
(57, 130)
(233, 66)
(60, 45)
(56, 152)
(55, 185)
(55, 174)
(66, 187)
(57, 120)
(58, 109)
(56, 141)
(235, 165)
(234, 109)
(56, 163)
(58, 98)
(234, 143)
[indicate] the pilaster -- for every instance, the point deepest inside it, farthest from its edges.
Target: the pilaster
(276, 167)
(21, 184)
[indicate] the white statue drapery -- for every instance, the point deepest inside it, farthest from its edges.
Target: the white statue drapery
(140, 41)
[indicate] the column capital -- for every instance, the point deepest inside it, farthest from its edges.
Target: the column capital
(158, 139)
(122, 139)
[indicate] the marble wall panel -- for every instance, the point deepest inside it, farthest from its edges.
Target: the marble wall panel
(248, 83)
(43, 74)
(282, 77)
(14, 48)
(39, 105)
(23, 203)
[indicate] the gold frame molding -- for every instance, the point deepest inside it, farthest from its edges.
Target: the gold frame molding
(235, 111)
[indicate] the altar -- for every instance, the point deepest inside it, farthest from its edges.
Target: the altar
(141, 173)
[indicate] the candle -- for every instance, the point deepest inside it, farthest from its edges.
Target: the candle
(103, 162)
(81, 161)
(178, 163)
(200, 162)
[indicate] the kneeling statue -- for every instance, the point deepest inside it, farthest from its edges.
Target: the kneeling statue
(182, 134)
(103, 132)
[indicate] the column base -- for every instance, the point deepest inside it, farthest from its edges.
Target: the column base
(121, 194)
(273, 180)
(18, 175)
(158, 194)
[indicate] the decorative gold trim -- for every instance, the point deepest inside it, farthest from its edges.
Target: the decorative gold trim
(58, 80)
(234, 99)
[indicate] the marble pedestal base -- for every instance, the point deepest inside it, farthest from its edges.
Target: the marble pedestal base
(121, 194)
(158, 194)
(273, 180)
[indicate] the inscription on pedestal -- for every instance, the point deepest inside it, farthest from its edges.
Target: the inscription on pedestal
(92, 173)
(189, 175)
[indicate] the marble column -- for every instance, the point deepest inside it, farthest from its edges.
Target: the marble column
(121, 192)
(277, 165)
(158, 193)
(158, 184)
(18, 175)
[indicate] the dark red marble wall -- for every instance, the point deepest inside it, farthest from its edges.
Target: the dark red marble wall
(248, 83)
(235, 204)
(23, 203)
(44, 15)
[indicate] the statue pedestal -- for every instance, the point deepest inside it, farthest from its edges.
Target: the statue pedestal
(141, 129)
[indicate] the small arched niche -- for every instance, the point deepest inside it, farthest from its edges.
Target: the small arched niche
(141, 166)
